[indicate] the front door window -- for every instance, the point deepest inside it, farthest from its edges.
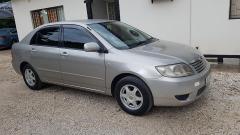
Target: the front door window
(76, 38)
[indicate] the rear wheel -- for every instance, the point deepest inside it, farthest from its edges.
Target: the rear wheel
(31, 78)
(133, 96)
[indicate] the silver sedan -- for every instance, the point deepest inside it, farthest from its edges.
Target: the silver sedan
(112, 58)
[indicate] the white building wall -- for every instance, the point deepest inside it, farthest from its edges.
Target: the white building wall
(212, 30)
(73, 10)
(163, 19)
(199, 23)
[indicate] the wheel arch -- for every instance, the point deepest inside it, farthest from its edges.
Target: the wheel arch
(122, 75)
(22, 65)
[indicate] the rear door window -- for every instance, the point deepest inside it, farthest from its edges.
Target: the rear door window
(47, 37)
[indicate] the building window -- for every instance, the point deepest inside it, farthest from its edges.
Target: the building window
(235, 9)
(48, 15)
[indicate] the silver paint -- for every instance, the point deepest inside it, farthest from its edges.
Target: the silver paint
(96, 71)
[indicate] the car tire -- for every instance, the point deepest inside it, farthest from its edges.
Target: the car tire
(133, 96)
(31, 78)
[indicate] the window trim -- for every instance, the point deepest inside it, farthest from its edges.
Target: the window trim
(45, 27)
(230, 12)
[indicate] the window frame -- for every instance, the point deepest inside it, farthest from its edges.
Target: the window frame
(103, 49)
(35, 37)
(230, 12)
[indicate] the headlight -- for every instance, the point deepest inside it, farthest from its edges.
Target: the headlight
(177, 70)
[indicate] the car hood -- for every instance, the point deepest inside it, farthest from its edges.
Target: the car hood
(168, 50)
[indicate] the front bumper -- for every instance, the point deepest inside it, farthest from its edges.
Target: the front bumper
(179, 91)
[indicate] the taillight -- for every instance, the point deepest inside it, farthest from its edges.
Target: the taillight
(3, 37)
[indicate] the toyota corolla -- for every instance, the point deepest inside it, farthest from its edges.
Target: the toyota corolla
(112, 58)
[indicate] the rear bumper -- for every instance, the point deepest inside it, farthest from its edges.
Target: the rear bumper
(16, 62)
(16, 66)
(179, 91)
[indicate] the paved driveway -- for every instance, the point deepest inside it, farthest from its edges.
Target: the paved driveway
(64, 111)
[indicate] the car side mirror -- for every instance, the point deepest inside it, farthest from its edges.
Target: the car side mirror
(91, 47)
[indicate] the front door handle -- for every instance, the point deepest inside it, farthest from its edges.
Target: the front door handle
(64, 54)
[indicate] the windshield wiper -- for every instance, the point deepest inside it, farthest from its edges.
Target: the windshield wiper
(142, 42)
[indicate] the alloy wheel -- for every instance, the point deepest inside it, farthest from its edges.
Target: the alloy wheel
(131, 97)
(30, 77)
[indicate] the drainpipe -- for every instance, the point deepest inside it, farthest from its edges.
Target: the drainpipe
(89, 8)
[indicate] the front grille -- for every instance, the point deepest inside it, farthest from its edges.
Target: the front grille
(199, 65)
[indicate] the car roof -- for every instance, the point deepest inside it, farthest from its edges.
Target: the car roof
(79, 22)
(76, 22)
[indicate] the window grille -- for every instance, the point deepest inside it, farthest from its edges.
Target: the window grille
(235, 9)
(48, 15)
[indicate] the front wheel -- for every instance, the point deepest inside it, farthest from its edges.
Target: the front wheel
(133, 96)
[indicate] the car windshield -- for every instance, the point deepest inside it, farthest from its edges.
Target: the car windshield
(121, 35)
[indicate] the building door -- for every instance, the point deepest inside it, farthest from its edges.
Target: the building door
(103, 9)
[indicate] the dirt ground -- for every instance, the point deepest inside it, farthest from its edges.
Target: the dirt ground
(64, 111)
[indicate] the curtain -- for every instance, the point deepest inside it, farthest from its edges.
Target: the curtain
(52, 15)
(36, 19)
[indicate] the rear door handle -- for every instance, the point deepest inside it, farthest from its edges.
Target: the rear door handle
(64, 54)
